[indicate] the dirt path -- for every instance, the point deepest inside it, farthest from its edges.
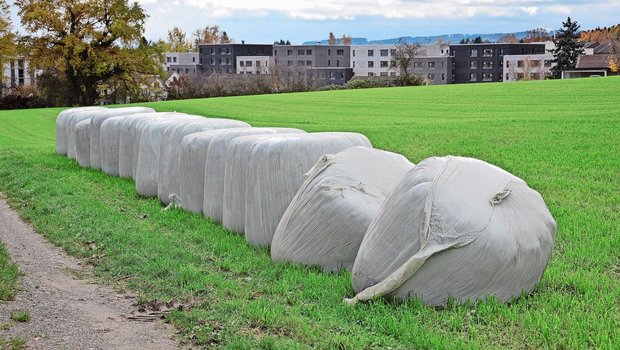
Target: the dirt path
(68, 312)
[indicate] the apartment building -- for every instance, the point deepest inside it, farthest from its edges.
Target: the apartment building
(222, 58)
(254, 64)
(527, 67)
(326, 64)
(15, 74)
(182, 63)
(472, 63)
(436, 70)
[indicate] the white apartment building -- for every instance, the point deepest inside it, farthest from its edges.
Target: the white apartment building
(16, 73)
(254, 64)
(527, 67)
(376, 60)
(183, 63)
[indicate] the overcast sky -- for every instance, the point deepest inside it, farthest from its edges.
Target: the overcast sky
(263, 21)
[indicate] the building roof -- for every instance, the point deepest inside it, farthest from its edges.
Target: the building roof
(598, 48)
(592, 62)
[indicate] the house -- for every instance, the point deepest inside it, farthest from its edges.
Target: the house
(473, 63)
(16, 73)
(183, 63)
(324, 64)
(222, 58)
(254, 64)
(595, 62)
(527, 67)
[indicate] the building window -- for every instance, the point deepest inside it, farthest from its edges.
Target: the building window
(473, 77)
(393, 64)
(384, 64)
(473, 53)
(168, 59)
(337, 63)
(353, 64)
(289, 63)
(371, 64)
(473, 65)
(213, 50)
(536, 64)
(371, 53)
(289, 52)
(228, 61)
(301, 52)
(353, 53)
(248, 63)
(501, 52)
(507, 76)
(301, 63)
(487, 77)
(547, 63)
(431, 76)
(393, 52)
(340, 52)
(257, 63)
(275, 52)
(431, 65)
(371, 74)
(341, 75)
(487, 64)
(212, 61)
(384, 53)
(241, 63)
(193, 59)
(417, 65)
(174, 59)
(186, 70)
(329, 52)
(392, 74)
(383, 74)
(535, 76)
(487, 52)
(329, 63)
(443, 77)
(332, 76)
(308, 52)
(520, 64)
(309, 63)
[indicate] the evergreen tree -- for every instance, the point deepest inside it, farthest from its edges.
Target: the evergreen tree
(478, 40)
(567, 47)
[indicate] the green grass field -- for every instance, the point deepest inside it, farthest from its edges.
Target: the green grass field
(562, 137)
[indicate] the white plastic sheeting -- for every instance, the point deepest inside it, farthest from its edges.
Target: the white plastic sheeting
(210, 198)
(147, 160)
(236, 171)
(278, 165)
(168, 175)
(326, 221)
(72, 120)
(455, 227)
(95, 130)
(131, 127)
(107, 152)
(62, 129)
(82, 142)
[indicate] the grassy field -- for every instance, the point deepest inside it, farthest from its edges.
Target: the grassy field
(562, 137)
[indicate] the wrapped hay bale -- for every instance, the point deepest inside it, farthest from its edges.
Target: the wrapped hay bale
(149, 147)
(96, 142)
(278, 165)
(72, 120)
(82, 142)
(62, 128)
(131, 127)
(328, 217)
(168, 183)
(237, 157)
(210, 199)
(455, 227)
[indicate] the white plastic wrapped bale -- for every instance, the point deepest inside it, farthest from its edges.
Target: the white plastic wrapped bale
(169, 176)
(278, 165)
(139, 128)
(82, 142)
(147, 164)
(129, 134)
(455, 227)
(326, 221)
(72, 120)
(237, 157)
(210, 198)
(61, 127)
(96, 141)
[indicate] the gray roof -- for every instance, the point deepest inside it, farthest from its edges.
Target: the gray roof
(592, 61)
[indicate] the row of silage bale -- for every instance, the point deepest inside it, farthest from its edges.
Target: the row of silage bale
(202, 167)
(278, 165)
(327, 219)
(62, 130)
(168, 185)
(82, 142)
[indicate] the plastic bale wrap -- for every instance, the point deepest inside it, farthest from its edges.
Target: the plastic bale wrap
(169, 176)
(95, 131)
(82, 142)
(455, 227)
(277, 171)
(210, 199)
(109, 146)
(327, 219)
(237, 156)
(131, 127)
(62, 128)
(147, 160)
(72, 120)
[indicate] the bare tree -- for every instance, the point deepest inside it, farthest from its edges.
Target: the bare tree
(537, 35)
(346, 40)
(508, 39)
(211, 35)
(404, 55)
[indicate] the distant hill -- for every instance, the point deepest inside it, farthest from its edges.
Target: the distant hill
(446, 38)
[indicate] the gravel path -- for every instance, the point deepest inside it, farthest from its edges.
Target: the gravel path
(68, 312)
